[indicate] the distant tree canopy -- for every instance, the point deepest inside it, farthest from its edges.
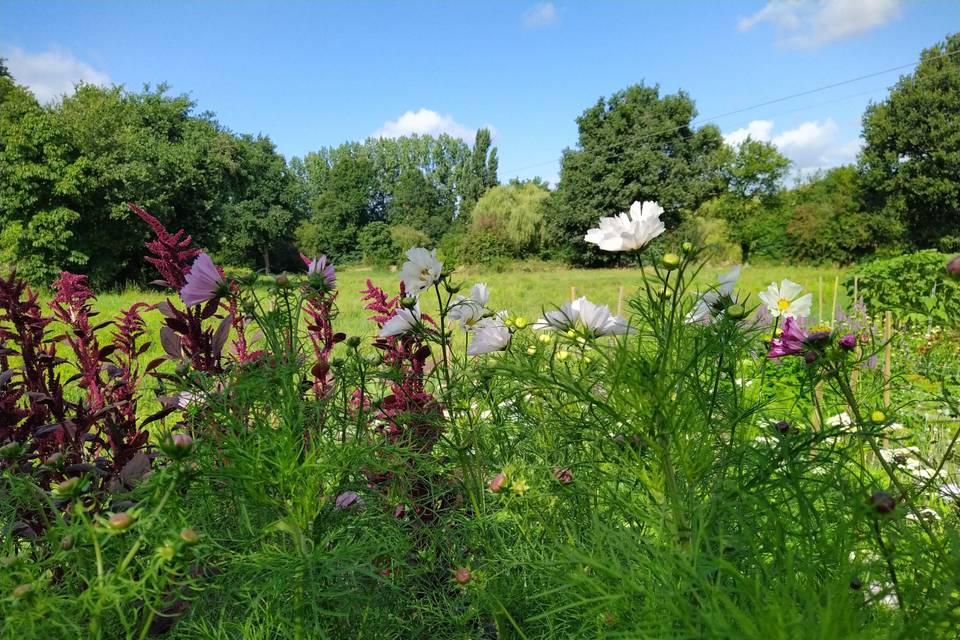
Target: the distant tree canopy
(424, 183)
(910, 162)
(67, 170)
(635, 145)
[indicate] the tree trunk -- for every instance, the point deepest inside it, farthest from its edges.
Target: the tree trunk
(745, 252)
(266, 261)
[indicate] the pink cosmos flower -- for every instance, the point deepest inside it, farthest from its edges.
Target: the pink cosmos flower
(321, 266)
(791, 341)
(204, 282)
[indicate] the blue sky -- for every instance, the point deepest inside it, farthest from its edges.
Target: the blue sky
(312, 74)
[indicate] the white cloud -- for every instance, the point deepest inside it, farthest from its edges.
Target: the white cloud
(428, 122)
(810, 146)
(51, 74)
(757, 129)
(811, 23)
(542, 15)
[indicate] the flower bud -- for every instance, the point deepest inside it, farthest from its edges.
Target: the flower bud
(337, 362)
(120, 521)
(782, 427)
(408, 302)
(666, 293)
(531, 351)
(563, 475)
(810, 357)
(855, 583)
(498, 483)
(462, 575)
(178, 445)
(878, 417)
(66, 543)
(563, 355)
(848, 342)
(21, 590)
(10, 451)
(54, 459)
(353, 342)
(670, 261)
(189, 536)
(520, 322)
(68, 487)
(545, 338)
(282, 280)
(882, 502)
(167, 552)
(953, 267)
(736, 312)
(687, 247)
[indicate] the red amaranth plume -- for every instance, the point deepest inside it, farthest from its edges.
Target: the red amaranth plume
(71, 305)
(172, 253)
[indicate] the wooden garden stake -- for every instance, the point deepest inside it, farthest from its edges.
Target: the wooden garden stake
(620, 301)
(573, 293)
(817, 404)
(833, 307)
(820, 299)
(887, 349)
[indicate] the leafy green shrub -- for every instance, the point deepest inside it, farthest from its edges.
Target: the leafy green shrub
(484, 245)
(915, 285)
(406, 237)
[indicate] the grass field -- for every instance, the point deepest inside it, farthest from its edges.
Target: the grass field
(524, 291)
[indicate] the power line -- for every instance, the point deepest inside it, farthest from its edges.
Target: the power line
(652, 134)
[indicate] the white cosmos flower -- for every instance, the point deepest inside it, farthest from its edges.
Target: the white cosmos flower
(595, 318)
(420, 270)
(469, 311)
(402, 322)
(705, 309)
(949, 491)
(628, 231)
(489, 335)
(785, 300)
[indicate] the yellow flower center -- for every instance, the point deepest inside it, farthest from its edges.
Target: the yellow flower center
(425, 274)
(783, 304)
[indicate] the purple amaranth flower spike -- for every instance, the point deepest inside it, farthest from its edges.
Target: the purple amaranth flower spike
(848, 342)
(172, 252)
(791, 341)
(204, 282)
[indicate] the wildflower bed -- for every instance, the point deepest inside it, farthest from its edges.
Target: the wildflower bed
(710, 463)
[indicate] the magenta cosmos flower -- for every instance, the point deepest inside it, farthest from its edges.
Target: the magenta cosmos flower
(204, 282)
(790, 342)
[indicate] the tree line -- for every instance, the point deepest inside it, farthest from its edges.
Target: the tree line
(68, 168)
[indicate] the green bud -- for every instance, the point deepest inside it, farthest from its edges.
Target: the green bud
(68, 487)
(167, 551)
(687, 247)
(10, 450)
(878, 417)
(337, 362)
(670, 261)
(353, 342)
(66, 543)
(736, 312)
(54, 459)
(282, 280)
(408, 302)
(120, 521)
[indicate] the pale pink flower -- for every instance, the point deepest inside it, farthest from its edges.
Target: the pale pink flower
(203, 282)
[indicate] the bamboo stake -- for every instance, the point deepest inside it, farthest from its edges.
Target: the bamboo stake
(833, 307)
(887, 352)
(620, 301)
(817, 406)
(856, 289)
(573, 293)
(820, 300)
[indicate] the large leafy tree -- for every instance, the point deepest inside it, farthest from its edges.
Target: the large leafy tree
(753, 171)
(478, 173)
(68, 170)
(634, 145)
(263, 208)
(911, 156)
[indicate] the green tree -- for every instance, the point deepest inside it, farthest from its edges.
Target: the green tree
(753, 171)
(911, 156)
(68, 170)
(828, 223)
(635, 145)
(478, 173)
(4, 72)
(262, 208)
(377, 245)
(516, 212)
(417, 203)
